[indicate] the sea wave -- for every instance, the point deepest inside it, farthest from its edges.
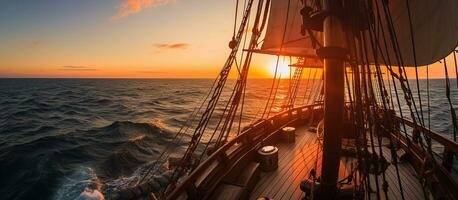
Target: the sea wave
(111, 152)
(60, 138)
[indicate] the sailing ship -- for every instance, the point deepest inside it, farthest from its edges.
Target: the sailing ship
(364, 130)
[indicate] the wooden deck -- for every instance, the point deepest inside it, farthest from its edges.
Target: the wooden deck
(296, 160)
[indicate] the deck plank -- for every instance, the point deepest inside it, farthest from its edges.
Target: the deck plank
(299, 173)
(287, 160)
(296, 160)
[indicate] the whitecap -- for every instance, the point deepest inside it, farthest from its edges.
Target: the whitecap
(83, 184)
(89, 194)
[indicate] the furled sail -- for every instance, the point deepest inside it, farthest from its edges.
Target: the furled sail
(283, 34)
(434, 28)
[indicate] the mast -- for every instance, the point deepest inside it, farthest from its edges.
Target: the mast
(333, 52)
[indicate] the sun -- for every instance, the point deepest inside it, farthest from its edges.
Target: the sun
(283, 68)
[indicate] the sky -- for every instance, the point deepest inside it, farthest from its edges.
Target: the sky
(119, 39)
(116, 38)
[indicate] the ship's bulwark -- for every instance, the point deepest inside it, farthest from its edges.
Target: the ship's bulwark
(59, 136)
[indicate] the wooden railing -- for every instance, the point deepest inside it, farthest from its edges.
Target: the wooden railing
(205, 177)
(442, 167)
(447, 143)
(203, 180)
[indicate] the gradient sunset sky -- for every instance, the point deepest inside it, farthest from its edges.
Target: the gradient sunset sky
(120, 38)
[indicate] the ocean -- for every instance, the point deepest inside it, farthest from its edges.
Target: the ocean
(59, 135)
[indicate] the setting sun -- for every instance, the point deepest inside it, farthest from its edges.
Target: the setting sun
(283, 68)
(213, 99)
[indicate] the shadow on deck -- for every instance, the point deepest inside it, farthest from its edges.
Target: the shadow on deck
(297, 159)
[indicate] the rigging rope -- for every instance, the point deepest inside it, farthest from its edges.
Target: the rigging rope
(177, 138)
(274, 97)
(412, 38)
(241, 59)
(365, 106)
(402, 72)
(211, 105)
(452, 110)
(294, 84)
(373, 108)
(369, 100)
(271, 88)
(456, 67)
(235, 17)
(309, 72)
(428, 139)
(277, 62)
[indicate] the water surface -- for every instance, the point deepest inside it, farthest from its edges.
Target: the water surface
(59, 135)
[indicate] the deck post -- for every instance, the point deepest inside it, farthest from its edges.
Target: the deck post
(333, 53)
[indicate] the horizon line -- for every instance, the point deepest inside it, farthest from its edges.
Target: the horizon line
(184, 78)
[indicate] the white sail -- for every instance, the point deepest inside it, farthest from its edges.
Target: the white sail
(434, 25)
(291, 41)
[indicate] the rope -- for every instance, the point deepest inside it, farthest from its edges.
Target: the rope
(309, 87)
(244, 37)
(294, 84)
(175, 139)
(278, 58)
(452, 110)
(428, 139)
(456, 67)
(206, 116)
(360, 130)
(239, 88)
(402, 72)
(235, 17)
(274, 97)
(415, 60)
(368, 107)
(372, 108)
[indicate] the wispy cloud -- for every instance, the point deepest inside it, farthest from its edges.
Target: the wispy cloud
(128, 7)
(172, 46)
(35, 44)
(151, 72)
(77, 68)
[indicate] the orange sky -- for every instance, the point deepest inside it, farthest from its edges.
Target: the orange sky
(124, 39)
(117, 39)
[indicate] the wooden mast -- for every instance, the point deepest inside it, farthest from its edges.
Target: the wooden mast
(333, 53)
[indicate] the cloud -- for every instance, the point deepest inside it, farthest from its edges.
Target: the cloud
(149, 72)
(77, 68)
(172, 46)
(128, 7)
(35, 44)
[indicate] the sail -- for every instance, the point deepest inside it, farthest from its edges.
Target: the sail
(283, 34)
(434, 28)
